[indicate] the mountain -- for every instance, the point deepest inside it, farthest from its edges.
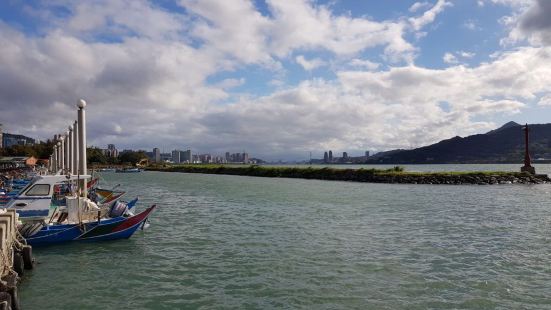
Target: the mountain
(502, 145)
(507, 125)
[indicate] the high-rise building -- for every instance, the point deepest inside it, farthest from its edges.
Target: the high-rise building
(156, 155)
(245, 158)
(176, 156)
(185, 156)
(330, 156)
(228, 157)
(1, 136)
(166, 157)
(9, 139)
(366, 153)
(344, 155)
(111, 151)
(325, 157)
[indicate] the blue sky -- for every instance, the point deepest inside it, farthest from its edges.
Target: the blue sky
(279, 79)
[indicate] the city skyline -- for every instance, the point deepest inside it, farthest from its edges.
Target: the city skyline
(277, 78)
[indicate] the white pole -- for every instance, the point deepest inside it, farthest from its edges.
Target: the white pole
(58, 158)
(70, 148)
(54, 158)
(67, 152)
(82, 144)
(55, 154)
(62, 153)
(75, 148)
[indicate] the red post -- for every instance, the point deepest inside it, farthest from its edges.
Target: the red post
(527, 161)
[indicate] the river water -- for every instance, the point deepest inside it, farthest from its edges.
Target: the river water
(233, 242)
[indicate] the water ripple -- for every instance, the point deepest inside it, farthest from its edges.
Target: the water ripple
(219, 242)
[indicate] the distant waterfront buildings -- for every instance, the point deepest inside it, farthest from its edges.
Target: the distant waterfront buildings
(110, 151)
(156, 155)
(9, 139)
(179, 156)
(176, 157)
(345, 159)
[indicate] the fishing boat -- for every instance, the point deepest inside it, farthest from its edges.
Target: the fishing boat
(79, 218)
(107, 170)
(129, 170)
(119, 227)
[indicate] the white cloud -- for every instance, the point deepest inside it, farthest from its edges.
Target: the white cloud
(122, 17)
(238, 29)
(418, 5)
(151, 86)
(466, 54)
(232, 27)
(449, 58)
(430, 15)
(381, 110)
(545, 100)
(364, 63)
(471, 25)
(311, 64)
(453, 58)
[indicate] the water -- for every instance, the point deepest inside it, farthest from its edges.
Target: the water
(231, 242)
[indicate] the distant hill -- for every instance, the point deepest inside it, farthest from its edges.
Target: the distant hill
(502, 145)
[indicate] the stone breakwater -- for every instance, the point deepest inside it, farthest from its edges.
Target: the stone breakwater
(396, 175)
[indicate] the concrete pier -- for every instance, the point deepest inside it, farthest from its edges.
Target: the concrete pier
(15, 256)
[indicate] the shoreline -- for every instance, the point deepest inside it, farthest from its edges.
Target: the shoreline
(391, 176)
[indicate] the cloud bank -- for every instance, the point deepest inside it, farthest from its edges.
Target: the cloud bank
(147, 73)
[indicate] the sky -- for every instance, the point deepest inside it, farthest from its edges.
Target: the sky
(275, 78)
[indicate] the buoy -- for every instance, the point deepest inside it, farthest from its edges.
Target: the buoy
(18, 263)
(28, 257)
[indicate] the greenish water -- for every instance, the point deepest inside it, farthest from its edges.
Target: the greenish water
(232, 242)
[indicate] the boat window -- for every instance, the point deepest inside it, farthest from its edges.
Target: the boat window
(39, 190)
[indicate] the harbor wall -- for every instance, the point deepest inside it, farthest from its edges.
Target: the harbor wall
(395, 175)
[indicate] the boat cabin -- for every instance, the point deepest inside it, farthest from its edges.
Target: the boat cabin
(36, 199)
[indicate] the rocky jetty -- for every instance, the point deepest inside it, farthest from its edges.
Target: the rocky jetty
(394, 175)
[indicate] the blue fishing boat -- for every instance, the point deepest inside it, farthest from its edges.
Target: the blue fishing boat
(46, 221)
(120, 227)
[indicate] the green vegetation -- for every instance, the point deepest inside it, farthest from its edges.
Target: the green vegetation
(95, 156)
(39, 150)
(130, 158)
(392, 175)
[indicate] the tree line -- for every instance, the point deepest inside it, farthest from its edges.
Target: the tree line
(43, 150)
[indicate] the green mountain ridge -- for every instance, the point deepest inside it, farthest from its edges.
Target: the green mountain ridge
(502, 145)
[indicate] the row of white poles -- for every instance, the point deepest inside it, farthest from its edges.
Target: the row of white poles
(69, 154)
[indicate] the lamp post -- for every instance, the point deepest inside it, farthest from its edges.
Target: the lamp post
(58, 159)
(54, 166)
(75, 148)
(62, 152)
(70, 149)
(66, 155)
(81, 104)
